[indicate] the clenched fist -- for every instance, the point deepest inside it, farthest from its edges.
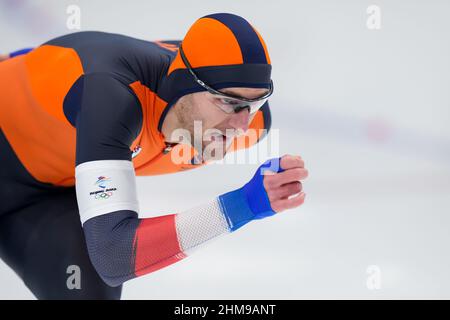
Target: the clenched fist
(284, 189)
(275, 187)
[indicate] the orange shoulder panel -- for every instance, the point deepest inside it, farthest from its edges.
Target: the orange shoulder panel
(51, 72)
(32, 91)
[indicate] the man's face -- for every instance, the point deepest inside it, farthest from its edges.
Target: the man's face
(202, 106)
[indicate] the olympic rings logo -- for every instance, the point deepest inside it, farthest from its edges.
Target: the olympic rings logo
(103, 195)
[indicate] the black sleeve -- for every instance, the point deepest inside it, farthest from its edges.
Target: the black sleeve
(108, 120)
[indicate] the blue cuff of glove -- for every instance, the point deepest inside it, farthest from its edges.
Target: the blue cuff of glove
(235, 208)
(251, 201)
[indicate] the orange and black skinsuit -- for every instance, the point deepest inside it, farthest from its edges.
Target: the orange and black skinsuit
(94, 96)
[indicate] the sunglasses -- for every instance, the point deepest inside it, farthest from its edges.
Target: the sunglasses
(229, 103)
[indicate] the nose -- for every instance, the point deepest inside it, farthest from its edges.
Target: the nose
(239, 121)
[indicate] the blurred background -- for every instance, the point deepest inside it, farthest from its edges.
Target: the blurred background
(368, 110)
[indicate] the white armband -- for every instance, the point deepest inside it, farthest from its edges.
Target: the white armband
(104, 186)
